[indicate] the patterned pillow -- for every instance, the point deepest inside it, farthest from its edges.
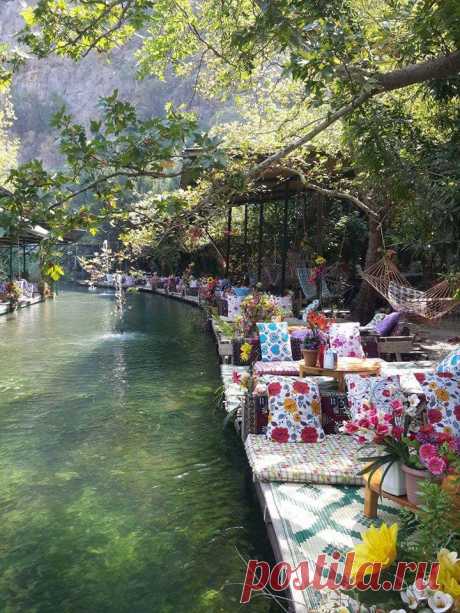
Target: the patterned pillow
(284, 303)
(274, 341)
(345, 339)
(442, 392)
(234, 304)
(295, 410)
(384, 393)
(451, 363)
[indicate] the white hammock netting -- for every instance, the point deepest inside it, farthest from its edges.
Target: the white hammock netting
(386, 279)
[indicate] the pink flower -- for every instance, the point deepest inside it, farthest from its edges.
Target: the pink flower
(387, 417)
(361, 439)
(397, 407)
(397, 432)
(382, 429)
(374, 420)
(436, 465)
(363, 423)
(426, 452)
(236, 377)
(350, 428)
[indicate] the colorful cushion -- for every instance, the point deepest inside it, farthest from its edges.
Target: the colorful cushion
(274, 341)
(286, 367)
(384, 393)
(451, 363)
(334, 460)
(234, 304)
(295, 410)
(386, 326)
(285, 303)
(345, 339)
(442, 393)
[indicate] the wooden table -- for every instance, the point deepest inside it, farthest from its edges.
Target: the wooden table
(345, 366)
(372, 495)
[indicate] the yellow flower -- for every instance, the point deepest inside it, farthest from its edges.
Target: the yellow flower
(315, 407)
(379, 546)
(290, 405)
(245, 351)
(296, 417)
(442, 395)
(319, 260)
(449, 573)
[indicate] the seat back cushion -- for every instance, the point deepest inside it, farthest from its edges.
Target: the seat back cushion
(383, 393)
(294, 410)
(274, 341)
(451, 363)
(442, 392)
(345, 339)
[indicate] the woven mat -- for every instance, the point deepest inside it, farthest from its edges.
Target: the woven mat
(334, 460)
(309, 520)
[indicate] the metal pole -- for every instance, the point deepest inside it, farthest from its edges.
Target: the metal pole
(11, 262)
(245, 229)
(229, 234)
(284, 246)
(261, 235)
(24, 265)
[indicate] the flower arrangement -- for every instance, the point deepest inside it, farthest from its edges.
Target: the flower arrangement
(318, 327)
(209, 289)
(318, 270)
(437, 452)
(12, 293)
(257, 307)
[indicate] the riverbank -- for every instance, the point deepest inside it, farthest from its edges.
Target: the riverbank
(6, 307)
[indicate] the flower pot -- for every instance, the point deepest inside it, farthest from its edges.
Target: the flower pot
(395, 480)
(310, 357)
(414, 477)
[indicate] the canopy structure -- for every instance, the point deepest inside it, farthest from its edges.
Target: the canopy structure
(388, 281)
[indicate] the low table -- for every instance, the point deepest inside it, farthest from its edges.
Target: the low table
(372, 495)
(345, 366)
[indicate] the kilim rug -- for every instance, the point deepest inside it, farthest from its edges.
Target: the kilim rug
(310, 520)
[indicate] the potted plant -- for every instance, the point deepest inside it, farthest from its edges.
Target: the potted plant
(318, 325)
(431, 455)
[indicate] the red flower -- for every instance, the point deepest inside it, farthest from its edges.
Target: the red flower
(236, 377)
(386, 393)
(445, 375)
(274, 389)
(280, 435)
(457, 411)
(426, 429)
(434, 415)
(350, 427)
(309, 435)
(300, 387)
(398, 432)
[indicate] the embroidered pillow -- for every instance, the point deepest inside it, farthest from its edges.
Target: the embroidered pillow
(294, 410)
(274, 341)
(383, 393)
(345, 339)
(451, 363)
(234, 303)
(442, 392)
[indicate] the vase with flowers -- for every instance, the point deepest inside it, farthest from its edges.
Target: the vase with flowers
(316, 337)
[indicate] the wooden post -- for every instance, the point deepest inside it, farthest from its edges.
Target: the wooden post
(229, 234)
(261, 235)
(284, 246)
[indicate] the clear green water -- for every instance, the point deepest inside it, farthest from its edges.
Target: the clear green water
(119, 489)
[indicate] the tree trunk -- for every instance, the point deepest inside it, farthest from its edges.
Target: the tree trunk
(365, 302)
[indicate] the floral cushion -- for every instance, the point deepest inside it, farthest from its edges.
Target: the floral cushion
(285, 303)
(234, 304)
(383, 393)
(442, 393)
(294, 410)
(274, 341)
(451, 363)
(345, 339)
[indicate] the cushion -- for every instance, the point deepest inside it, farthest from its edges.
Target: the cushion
(451, 363)
(234, 304)
(285, 303)
(386, 326)
(442, 392)
(345, 339)
(274, 341)
(384, 393)
(294, 410)
(286, 367)
(333, 460)
(241, 292)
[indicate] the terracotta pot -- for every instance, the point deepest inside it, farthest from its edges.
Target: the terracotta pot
(414, 477)
(310, 356)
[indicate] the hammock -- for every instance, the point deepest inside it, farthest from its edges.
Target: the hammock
(386, 279)
(309, 288)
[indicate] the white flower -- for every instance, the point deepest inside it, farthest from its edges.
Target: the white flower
(440, 602)
(452, 556)
(398, 611)
(414, 401)
(411, 597)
